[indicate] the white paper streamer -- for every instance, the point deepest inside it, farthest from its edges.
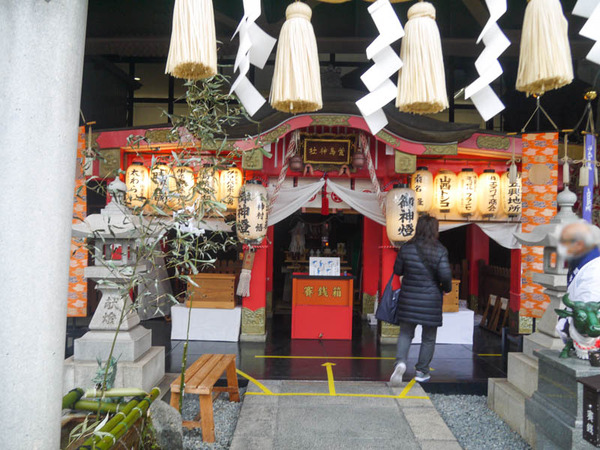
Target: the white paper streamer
(591, 30)
(255, 48)
(483, 96)
(386, 62)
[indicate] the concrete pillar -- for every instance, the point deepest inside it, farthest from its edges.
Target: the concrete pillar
(42, 49)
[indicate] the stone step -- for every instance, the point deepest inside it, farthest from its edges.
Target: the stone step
(523, 372)
(508, 402)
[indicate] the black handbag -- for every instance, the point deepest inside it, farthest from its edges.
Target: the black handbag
(387, 310)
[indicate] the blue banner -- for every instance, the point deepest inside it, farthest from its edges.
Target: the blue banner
(588, 191)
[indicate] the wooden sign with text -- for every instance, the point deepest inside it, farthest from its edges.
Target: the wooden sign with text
(327, 149)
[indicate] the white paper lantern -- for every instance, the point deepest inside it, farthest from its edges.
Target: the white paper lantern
(422, 184)
(511, 195)
(209, 184)
(137, 179)
(230, 183)
(162, 186)
(467, 192)
(400, 214)
(185, 181)
(444, 191)
(252, 213)
(489, 193)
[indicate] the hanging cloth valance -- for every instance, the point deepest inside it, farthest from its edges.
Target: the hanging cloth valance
(291, 200)
(365, 203)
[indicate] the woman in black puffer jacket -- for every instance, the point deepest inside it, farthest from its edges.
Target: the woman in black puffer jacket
(425, 270)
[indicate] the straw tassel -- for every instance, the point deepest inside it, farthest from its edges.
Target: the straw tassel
(422, 81)
(243, 287)
(296, 86)
(545, 58)
(513, 173)
(193, 48)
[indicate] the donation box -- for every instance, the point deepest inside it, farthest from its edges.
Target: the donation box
(322, 307)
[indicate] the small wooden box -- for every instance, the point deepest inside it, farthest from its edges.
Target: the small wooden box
(215, 290)
(451, 298)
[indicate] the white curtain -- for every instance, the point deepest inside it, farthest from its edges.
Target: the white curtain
(365, 203)
(502, 233)
(291, 200)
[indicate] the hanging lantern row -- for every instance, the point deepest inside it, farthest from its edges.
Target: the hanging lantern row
(173, 188)
(467, 193)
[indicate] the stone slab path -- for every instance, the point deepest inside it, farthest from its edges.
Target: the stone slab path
(347, 415)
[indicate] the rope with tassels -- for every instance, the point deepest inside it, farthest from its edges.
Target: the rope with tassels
(291, 151)
(364, 145)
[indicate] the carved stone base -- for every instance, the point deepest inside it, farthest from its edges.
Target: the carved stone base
(368, 304)
(389, 333)
(253, 322)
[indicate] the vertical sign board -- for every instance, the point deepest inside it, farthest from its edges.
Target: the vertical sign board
(591, 409)
(77, 297)
(540, 183)
(588, 191)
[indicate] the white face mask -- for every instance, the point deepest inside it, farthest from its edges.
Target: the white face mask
(563, 252)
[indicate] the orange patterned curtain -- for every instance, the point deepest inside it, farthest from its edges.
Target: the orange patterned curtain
(77, 300)
(540, 175)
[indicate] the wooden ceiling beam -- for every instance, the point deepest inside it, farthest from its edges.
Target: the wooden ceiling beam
(477, 10)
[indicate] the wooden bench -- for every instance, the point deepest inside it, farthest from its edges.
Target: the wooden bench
(200, 378)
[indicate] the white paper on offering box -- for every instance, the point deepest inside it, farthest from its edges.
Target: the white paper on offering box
(249, 95)
(585, 8)
(387, 62)
(487, 103)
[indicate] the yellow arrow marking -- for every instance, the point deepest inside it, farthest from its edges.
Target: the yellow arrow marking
(330, 381)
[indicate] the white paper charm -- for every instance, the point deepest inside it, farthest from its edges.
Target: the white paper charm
(386, 62)
(489, 69)
(255, 48)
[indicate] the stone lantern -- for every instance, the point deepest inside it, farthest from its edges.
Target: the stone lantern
(115, 232)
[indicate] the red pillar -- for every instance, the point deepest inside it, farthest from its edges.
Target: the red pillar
(253, 307)
(478, 248)
(515, 280)
(371, 257)
(270, 242)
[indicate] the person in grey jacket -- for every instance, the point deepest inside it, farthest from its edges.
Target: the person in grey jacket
(425, 270)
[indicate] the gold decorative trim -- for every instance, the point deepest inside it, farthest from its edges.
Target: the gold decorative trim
(404, 162)
(368, 306)
(493, 142)
(276, 133)
(253, 322)
(389, 139)
(156, 136)
(109, 163)
(389, 331)
(448, 149)
(525, 325)
(331, 121)
(252, 160)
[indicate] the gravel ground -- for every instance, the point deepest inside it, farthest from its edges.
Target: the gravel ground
(475, 426)
(225, 414)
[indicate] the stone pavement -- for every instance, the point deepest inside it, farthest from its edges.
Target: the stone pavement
(347, 415)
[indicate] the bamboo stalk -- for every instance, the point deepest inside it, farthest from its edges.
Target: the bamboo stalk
(96, 406)
(111, 424)
(121, 428)
(115, 392)
(71, 398)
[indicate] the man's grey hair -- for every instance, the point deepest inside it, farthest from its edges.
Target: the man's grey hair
(590, 235)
